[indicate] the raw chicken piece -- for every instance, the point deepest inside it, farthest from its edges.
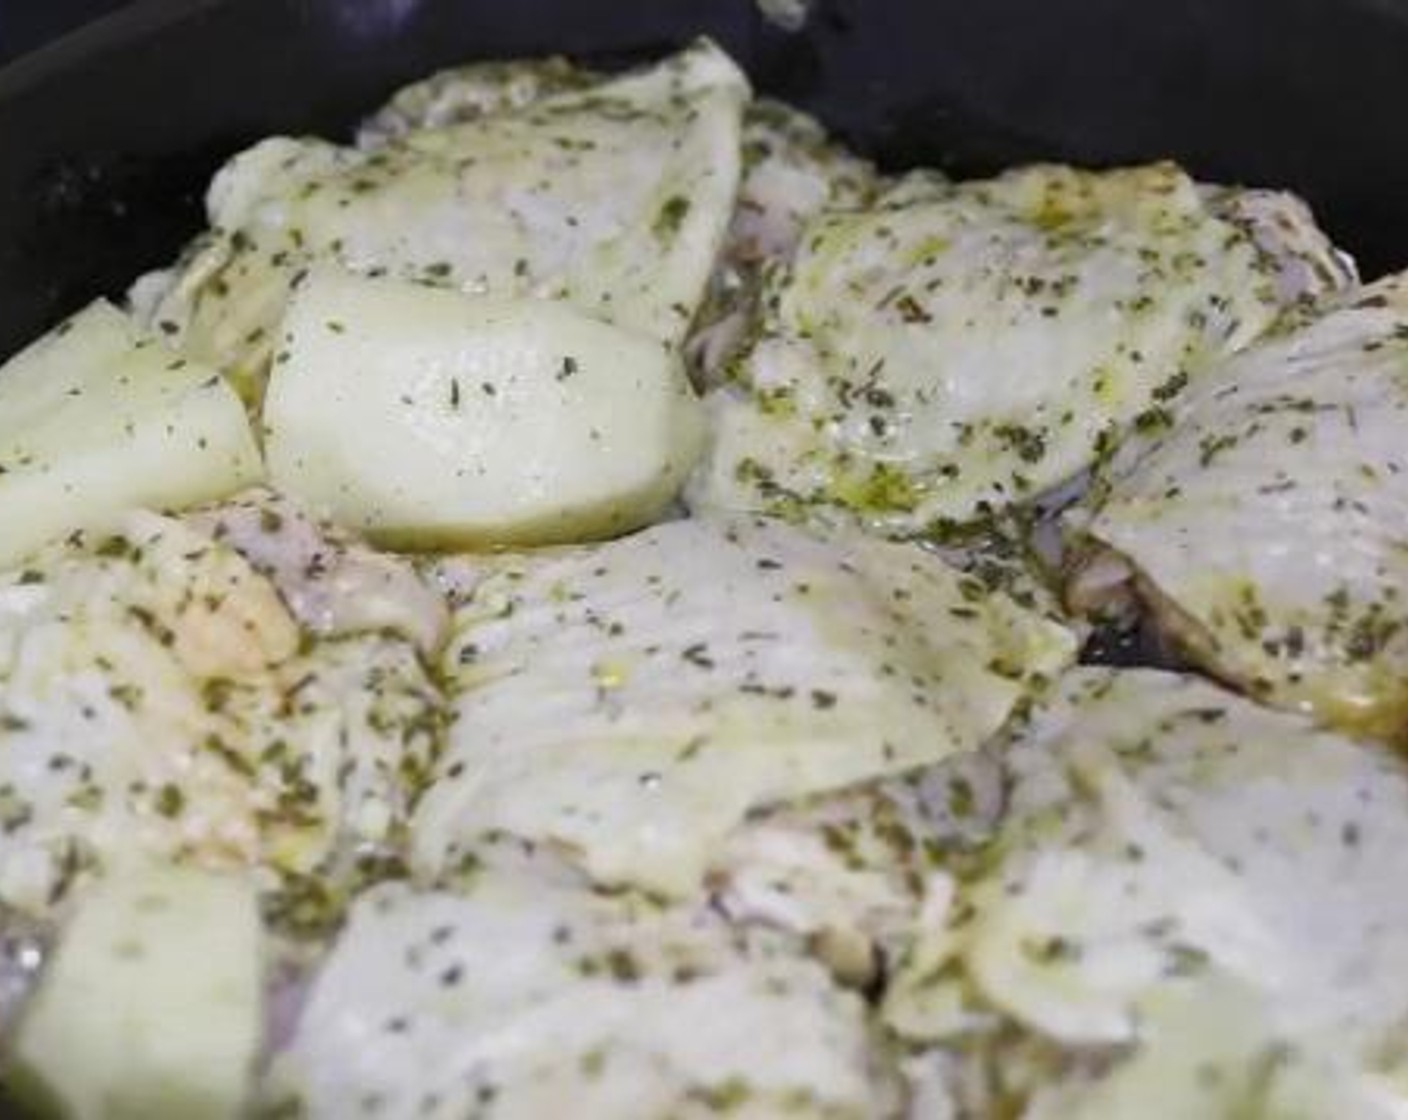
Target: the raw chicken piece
(955, 348)
(1183, 881)
(633, 702)
(158, 699)
(522, 995)
(1266, 527)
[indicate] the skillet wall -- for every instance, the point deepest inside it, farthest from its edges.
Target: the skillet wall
(107, 137)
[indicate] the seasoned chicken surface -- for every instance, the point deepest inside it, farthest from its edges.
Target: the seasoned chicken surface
(955, 348)
(1265, 525)
(464, 93)
(861, 872)
(634, 701)
(520, 995)
(158, 699)
(1183, 882)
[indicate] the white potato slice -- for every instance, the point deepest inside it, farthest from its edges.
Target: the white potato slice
(959, 347)
(430, 418)
(520, 997)
(1175, 861)
(1269, 527)
(151, 1007)
(154, 700)
(96, 418)
(614, 197)
(634, 701)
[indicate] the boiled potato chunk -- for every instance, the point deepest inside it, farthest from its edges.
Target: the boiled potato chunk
(96, 417)
(151, 1009)
(429, 418)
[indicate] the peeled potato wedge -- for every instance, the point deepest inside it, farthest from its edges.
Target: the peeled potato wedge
(96, 417)
(430, 418)
(151, 1008)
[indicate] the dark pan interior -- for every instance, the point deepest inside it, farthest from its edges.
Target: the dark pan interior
(107, 137)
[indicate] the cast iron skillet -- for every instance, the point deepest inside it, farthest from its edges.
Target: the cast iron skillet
(108, 136)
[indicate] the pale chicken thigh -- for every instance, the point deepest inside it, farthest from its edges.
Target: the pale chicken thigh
(955, 348)
(1189, 910)
(633, 702)
(1267, 528)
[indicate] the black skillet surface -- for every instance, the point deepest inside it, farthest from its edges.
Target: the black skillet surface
(27, 27)
(107, 137)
